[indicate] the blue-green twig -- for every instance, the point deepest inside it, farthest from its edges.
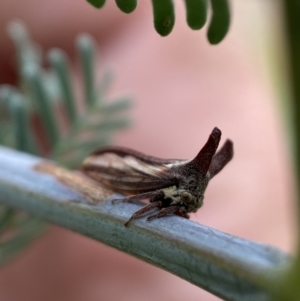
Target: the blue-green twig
(232, 268)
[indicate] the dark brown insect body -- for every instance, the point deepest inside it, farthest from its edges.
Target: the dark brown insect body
(173, 186)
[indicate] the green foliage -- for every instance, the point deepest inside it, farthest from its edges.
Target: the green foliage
(220, 21)
(126, 6)
(29, 114)
(164, 16)
(15, 124)
(60, 66)
(196, 15)
(17, 230)
(46, 94)
(97, 3)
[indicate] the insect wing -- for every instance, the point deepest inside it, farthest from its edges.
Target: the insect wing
(128, 171)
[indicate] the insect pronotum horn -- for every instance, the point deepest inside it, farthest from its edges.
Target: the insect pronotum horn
(203, 159)
(222, 157)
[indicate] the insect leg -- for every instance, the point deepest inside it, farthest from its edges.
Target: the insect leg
(143, 210)
(185, 215)
(163, 212)
(137, 197)
(158, 196)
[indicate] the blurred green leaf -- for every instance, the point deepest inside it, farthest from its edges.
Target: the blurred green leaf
(60, 65)
(196, 16)
(88, 131)
(104, 85)
(164, 16)
(220, 21)
(5, 217)
(20, 121)
(97, 3)
(127, 6)
(196, 13)
(86, 50)
(27, 231)
(44, 105)
(37, 103)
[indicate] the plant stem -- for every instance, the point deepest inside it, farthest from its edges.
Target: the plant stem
(292, 21)
(232, 268)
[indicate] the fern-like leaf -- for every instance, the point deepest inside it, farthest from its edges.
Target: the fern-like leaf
(196, 15)
(40, 97)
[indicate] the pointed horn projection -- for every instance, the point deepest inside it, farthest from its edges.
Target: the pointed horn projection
(223, 156)
(206, 154)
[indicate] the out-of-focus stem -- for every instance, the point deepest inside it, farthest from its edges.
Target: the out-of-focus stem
(292, 26)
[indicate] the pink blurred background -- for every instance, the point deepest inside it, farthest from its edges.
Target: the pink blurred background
(183, 87)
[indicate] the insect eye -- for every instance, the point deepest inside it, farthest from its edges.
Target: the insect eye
(192, 184)
(186, 197)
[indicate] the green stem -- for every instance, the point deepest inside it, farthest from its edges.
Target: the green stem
(292, 19)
